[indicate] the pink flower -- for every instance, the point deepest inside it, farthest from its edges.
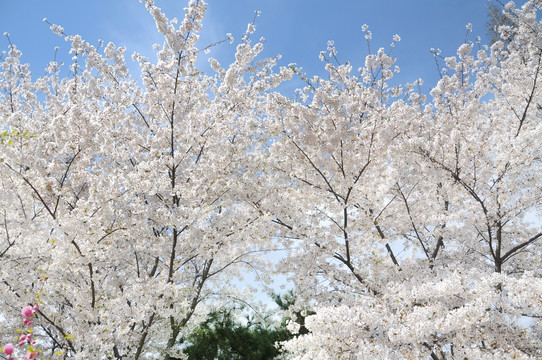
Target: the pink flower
(31, 355)
(8, 349)
(27, 311)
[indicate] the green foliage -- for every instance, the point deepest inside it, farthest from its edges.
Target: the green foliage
(221, 337)
(6, 136)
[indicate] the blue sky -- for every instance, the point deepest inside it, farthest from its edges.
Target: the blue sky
(297, 29)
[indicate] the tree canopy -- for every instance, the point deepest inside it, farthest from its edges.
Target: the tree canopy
(221, 337)
(408, 222)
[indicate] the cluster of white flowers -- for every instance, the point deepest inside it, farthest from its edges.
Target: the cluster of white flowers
(407, 222)
(56, 29)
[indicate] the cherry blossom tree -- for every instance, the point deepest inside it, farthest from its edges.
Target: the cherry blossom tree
(413, 226)
(123, 206)
(411, 223)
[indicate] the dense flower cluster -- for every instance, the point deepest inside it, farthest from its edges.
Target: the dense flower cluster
(410, 223)
(25, 338)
